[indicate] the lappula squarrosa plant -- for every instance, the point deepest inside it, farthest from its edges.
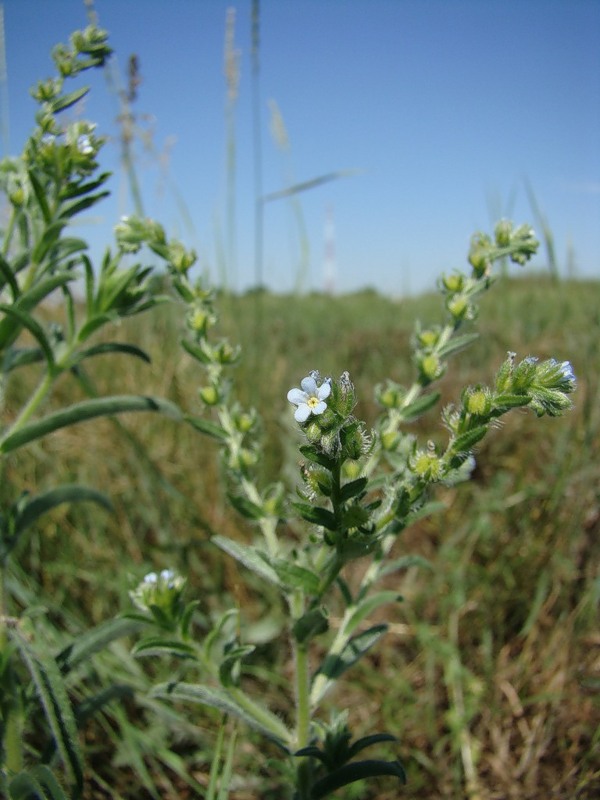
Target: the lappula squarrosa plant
(56, 178)
(358, 489)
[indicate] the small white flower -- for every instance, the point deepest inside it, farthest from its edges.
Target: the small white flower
(84, 145)
(310, 399)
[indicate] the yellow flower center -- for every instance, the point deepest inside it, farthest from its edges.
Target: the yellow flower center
(313, 402)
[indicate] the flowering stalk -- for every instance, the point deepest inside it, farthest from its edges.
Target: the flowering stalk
(358, 490)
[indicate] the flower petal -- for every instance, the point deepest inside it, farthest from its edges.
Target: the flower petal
(297, 396)
(320, 408)
(324, 390)
(302, 413)
(309, 385)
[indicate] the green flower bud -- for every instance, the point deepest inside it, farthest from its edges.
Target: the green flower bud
(244, 422)
(225, 353)
(390, 440)
(430, 367)
(428, 338)
(389, 395)
(209, 395)
(427, 465)
(459, 307)
(180, 258)
(313, 432)
(352, 442)
(502, 232)
(454, 282)
(478, 403)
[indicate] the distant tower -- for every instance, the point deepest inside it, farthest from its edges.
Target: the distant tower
(329, 265)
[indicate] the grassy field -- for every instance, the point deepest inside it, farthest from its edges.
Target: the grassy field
(490, 676)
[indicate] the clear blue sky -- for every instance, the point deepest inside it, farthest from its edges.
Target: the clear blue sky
(444, 108)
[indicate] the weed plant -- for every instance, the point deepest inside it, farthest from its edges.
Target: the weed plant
(258, 558)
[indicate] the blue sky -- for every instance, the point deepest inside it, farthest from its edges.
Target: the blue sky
(445, 109)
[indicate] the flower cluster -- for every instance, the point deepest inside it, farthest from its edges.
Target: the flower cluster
(159, 593)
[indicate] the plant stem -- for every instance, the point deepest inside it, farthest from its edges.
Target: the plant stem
(13, 724)
(32, 404)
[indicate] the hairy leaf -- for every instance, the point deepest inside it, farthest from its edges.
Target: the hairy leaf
(52, 693)
(83, 411)
(248, 557)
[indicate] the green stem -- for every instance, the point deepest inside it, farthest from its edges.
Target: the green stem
(9, 232)
(32, 404)
(302, 696)
(13, 724)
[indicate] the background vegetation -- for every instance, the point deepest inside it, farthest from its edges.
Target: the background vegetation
(490, 676)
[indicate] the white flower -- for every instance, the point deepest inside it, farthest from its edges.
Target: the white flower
(310, 399)
(84, 145)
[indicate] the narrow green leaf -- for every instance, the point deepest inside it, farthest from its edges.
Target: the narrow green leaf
(368, 741)
(405, 562)
(245, 507)
(312, 454)
(92, 705)
(68, 100)
(86, 410)
(9, 328)
(335, 664)
(9, 277)
(311, 624)
(457, 343)
(21, 358)
(207, 427)
(40, 196)
(419, 406)
(367, 606)
(79, 189)
(111, 347)
(158, 646)
(47, 241)
(34, 328)
(93, 323)
(317, 515)
(69, 246)
(228, 667)
(52, 693)
(247, 556)
(353, 488)
(37, 782)
(466, 441)
(195, 350)
(71, 209)
(96, 639)
(272, 726)
(356, 771)
(296, 577)
(504, 402)
(68, 493)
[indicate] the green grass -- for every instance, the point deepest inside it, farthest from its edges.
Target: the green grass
(493, 658)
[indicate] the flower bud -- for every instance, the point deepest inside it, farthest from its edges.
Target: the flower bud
(427, 465)
(209, 395)
(313, 432)
(454, 282)
(390, 440)
(389, 395)
(428, 338)
(502, 232)
(430, 367)
(478, 403)
(352, 442)
(459, 307)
